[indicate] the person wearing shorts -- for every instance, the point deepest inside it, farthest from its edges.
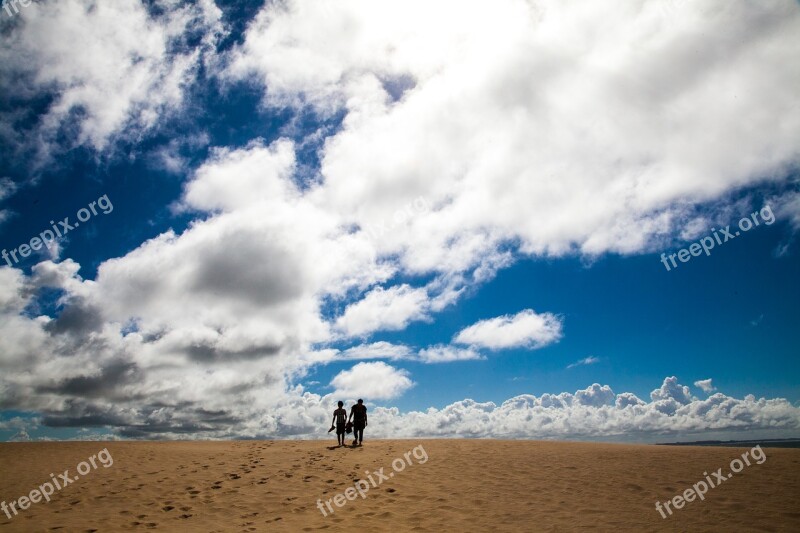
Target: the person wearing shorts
(340, 419)
(359, 415)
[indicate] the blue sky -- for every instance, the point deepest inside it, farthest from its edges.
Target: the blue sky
(731, 315)
(240, 284)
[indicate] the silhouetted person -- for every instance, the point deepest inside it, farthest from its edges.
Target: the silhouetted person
(359, 415)
(340, 419)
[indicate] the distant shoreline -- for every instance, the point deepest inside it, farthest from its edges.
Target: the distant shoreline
(764, 443)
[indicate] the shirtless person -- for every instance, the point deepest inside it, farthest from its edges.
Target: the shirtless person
(340, 419)
(359, 415)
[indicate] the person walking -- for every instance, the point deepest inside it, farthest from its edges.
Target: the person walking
(340, 420)
(359, 415)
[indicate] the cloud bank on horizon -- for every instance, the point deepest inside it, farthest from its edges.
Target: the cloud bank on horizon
(432, 122)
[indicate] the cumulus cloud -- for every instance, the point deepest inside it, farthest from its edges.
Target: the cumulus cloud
(526, 329)
(556, 139)
(20, 436)
(384, 309)
(133, 66)
(596, 396)
(705, 385)
(672, 390)
(18, 423)
(671, 396)
(372, 380)
(595, 412)
(599, 137)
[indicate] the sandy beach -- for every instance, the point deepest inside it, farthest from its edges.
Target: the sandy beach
(425, 485)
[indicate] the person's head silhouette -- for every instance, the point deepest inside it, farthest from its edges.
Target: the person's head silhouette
(360, 401)
(341, 404)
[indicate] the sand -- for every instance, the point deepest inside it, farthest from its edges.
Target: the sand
(464, 485)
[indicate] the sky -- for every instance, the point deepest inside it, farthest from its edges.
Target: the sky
(524, 219)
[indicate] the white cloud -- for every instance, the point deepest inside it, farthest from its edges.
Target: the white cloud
(261, 176)
(556, 139)
(447, 354)
(585, 361)
(526, 329)
(378, 350)
(18, 423)
(376, 380)
(7, 189)
(21, 436)
(384, 309)
(111, 67)
(671, 396)
(595, 412)
(672, 390)
(584, 125)
(705, 385)
(788, 207)
(94, 437)
(439, 353)
(628, 399)
(596, 396)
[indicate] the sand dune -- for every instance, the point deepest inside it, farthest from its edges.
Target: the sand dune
(463, 485)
